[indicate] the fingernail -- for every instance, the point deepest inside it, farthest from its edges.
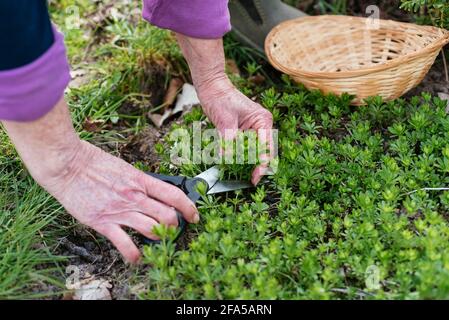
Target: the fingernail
(196, 218)
(256, 181)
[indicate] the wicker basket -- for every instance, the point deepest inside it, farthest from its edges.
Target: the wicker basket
(346, 54)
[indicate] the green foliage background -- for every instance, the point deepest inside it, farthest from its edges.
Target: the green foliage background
(434, 12)
(347, 197)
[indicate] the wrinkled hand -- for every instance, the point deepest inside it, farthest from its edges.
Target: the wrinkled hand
(107, 194)
(98, 189)
(230, 110)
(226, 107)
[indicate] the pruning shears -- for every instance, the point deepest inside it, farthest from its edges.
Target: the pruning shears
(211, 180)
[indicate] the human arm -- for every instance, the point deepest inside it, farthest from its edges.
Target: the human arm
(98, 189)
(200, 26)
(227, 108)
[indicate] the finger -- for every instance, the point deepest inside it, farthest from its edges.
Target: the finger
(227, 147)
(137, 221)
(263, 125)
(228, 132)
(258, 173)
(160, 212)
(170, 196)
(121, 240)
(266, 144)
(266, 154)
(227, 126)
(261, 120)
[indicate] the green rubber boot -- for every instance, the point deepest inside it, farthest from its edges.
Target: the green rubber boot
(252, 20)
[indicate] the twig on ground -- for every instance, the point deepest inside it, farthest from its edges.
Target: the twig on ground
(108, 268)
(445, 65)
(80, 251)
(360, 293)
(426, 189)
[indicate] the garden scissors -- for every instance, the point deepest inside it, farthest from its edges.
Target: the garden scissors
(210, 178)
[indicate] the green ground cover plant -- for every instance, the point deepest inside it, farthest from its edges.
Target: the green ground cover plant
(434, 12)
(348, 197)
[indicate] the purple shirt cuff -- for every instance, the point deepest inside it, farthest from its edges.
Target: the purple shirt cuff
(29, 92)
(206, 19)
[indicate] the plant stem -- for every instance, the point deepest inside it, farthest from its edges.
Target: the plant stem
(445, 65)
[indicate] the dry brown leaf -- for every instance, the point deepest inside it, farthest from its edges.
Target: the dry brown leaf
(172, 91)
(257, 79)
(96, 289)
(91, 125)
(78, 77)
(184, 102)
(231, 67)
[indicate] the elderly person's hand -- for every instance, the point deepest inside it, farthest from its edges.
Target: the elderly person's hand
(227, 108)
(98, 189)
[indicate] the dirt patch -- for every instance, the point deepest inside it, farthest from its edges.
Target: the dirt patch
(91, 255)
(140, 148)
(389, 9)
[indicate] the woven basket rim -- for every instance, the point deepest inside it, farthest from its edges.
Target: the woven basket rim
(441, 42)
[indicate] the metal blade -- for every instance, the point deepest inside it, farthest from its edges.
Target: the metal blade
(226, 186)
(211, 176)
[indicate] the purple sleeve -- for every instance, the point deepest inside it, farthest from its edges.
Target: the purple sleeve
(29, 92)
(206, 19)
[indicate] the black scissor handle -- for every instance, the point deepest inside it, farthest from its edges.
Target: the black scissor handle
(188, 186)
(177, 181)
